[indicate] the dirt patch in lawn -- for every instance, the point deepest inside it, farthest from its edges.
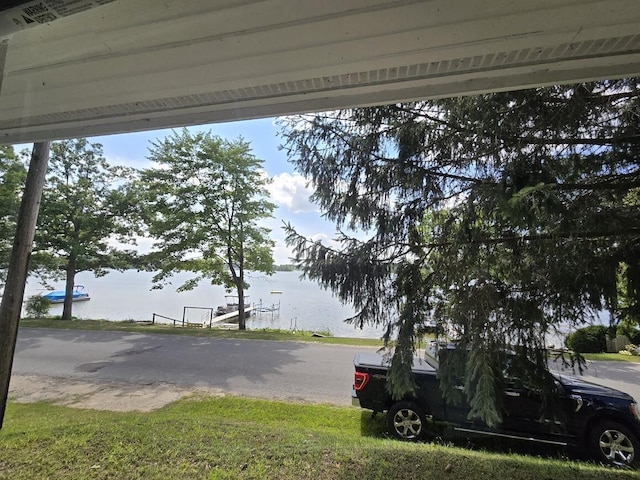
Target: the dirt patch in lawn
(117, 397)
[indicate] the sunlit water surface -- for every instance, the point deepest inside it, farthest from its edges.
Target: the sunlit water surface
(128, 296)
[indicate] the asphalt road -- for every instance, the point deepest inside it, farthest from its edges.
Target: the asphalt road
(623, 376)
(284, 370)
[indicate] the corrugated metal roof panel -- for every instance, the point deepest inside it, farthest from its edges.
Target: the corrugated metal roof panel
(138, 65)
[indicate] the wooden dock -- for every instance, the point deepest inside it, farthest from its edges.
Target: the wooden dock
(228, 316)
(220, 321)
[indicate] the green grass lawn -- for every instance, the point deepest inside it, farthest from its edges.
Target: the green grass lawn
(238, 438)
(612, 357)
(259, 334)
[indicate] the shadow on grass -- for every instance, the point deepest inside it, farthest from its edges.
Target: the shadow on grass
(373, 425)
(376, 427)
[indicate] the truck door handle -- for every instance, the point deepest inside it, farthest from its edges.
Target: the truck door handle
(511, 393)
(578, 400)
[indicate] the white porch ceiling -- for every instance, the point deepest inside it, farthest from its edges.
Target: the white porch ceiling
(143, 64)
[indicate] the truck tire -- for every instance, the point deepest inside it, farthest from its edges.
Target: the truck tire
(614, 444)
(406, 421)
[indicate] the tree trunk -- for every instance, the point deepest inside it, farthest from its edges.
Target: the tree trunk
(68, 289)
(239, 279)
(11, 305)
(242, 324)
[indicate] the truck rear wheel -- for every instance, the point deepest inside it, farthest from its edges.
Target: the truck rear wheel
(406, 421)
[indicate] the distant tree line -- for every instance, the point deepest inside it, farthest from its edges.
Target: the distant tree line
(285, 268)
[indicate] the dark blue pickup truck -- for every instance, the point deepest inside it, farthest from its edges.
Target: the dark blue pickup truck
(603, 420)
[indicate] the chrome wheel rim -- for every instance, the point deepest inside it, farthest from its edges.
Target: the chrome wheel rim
(616, 447)
(407, 423)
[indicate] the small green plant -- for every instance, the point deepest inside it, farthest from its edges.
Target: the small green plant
(630, 349)
(37, 306)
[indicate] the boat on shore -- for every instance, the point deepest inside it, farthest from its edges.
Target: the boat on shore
(57, 296)
(231, 306)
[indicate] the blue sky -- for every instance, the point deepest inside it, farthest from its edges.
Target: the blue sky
(288, 189)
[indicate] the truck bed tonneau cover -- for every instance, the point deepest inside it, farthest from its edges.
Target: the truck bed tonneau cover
(373, 360)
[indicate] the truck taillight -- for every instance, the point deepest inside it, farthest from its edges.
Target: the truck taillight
(361, 380)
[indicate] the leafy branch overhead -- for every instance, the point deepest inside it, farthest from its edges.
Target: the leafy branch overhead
(12, 177)
(501, 217)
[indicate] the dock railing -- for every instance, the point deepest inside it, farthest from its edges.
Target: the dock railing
(183, 323)
(153, 319)
(206, 318)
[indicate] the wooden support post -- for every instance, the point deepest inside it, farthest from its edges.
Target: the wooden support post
(11, 306)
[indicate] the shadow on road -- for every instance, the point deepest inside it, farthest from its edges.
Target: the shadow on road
(261, 368)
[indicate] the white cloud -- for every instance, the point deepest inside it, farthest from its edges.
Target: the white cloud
(282, 254)
(322, 238)
(326, 240)
(292, 192)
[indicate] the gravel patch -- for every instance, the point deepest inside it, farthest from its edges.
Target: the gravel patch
(117, 397)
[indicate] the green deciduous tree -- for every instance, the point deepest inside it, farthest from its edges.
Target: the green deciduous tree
(628, 307)
(206, 198)
(12, 177)
(498, 216)
(86, 206)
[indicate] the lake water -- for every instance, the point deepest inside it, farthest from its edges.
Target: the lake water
(127, 296)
